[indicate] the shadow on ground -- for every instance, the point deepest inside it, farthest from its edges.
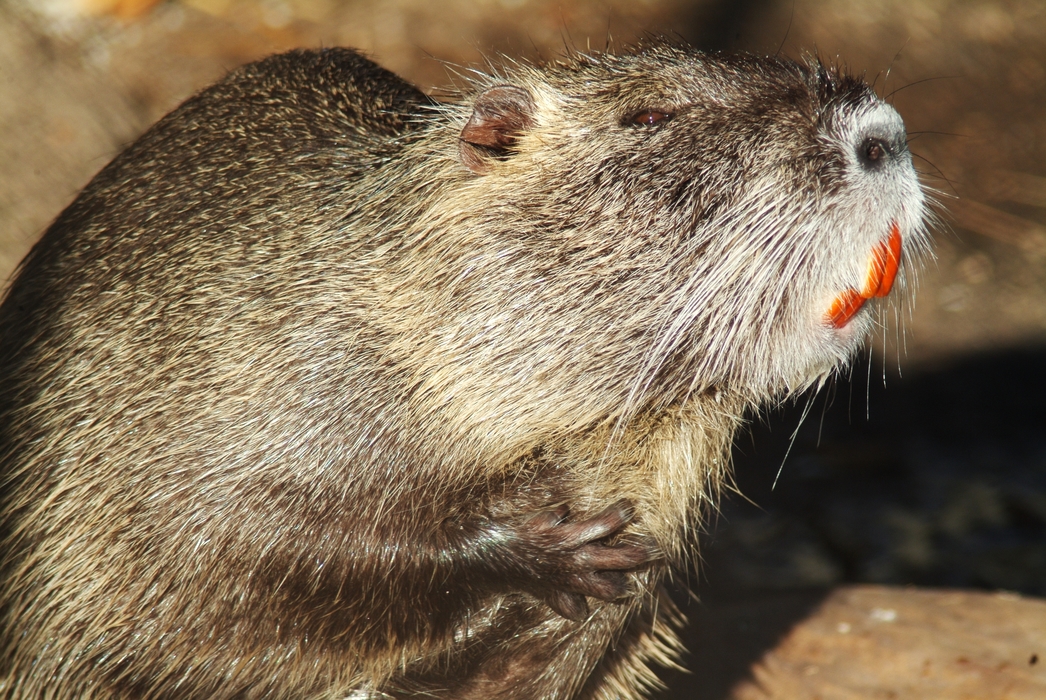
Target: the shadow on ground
(935, 479)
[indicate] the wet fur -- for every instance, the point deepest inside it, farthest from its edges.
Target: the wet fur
(282, 390)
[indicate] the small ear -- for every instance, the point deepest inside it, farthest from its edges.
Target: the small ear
(499, 115)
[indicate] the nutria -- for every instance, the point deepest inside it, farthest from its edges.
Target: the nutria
(324, 389)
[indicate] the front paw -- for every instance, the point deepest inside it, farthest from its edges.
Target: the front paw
(572, 560)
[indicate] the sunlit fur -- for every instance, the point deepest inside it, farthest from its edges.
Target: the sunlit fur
(257, 374)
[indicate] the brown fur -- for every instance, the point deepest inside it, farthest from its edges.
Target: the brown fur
(322, 389)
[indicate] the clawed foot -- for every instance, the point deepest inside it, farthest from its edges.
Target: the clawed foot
(572, 560)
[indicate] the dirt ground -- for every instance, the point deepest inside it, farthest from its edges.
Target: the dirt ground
(925, 465)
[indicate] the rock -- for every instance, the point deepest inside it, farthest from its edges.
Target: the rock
(870, 642)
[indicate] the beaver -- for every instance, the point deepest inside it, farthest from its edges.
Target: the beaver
(325, 389)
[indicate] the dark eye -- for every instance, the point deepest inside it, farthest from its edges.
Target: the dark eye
(872, 152)
(650, 117)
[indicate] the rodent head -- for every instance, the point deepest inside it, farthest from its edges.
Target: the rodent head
(668, 222)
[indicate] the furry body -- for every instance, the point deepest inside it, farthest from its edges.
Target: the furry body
(323, 390)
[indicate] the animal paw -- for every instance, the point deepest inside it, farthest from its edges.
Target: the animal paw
(570, 560)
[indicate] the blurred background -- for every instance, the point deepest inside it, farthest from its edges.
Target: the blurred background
(924, 465)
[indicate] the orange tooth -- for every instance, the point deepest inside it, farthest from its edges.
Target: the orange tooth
(844, 307)
(882, 270)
